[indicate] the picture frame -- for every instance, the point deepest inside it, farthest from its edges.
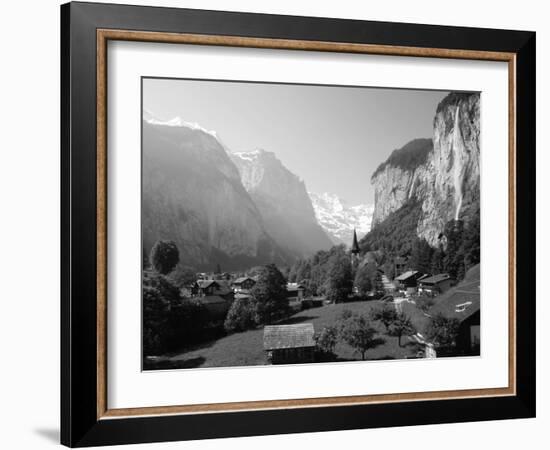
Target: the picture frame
(86, 418)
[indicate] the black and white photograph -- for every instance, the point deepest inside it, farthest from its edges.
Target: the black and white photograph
(287, 223)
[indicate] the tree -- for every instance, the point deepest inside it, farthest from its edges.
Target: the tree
(443, 331)
(471, 243)
(401, 325)
(386, 314)
(326, 339)
(182, 275)
(270, 293)
(159, 296)
(454, 253)
(340, 278)
(218, 268)
(363, 281)
(438, 256)
(243, 315)
(358, 333)
(155, 317)
(164, 256)
(421, 256)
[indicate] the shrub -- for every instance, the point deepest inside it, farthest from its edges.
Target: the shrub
(326, 339)
(243, 315)
(443, 331)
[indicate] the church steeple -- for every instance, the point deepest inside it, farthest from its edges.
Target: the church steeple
(355, 246)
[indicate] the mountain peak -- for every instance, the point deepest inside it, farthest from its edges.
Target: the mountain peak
(177, 121)
(338, 219)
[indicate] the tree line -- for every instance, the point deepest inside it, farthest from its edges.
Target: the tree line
(458, 249)
(171, 321)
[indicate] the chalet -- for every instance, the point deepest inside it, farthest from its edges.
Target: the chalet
(407, 281)
(212, 287)
(435, 285)
(289, 344)
(294, 291)
(465, 307)
(243, 284)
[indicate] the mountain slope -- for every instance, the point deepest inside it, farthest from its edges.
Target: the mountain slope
(283, 202)
(192, 194)
(440, 174)
(339, 219)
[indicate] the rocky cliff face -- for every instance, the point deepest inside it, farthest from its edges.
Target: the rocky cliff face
(283, 202)
(442, 173)
(339, 219)
(192, 194)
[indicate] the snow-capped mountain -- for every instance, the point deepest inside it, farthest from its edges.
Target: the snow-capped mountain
(338, 219)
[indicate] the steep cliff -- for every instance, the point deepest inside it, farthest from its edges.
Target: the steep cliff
(442, 173)
(192, 194)
(283, 202)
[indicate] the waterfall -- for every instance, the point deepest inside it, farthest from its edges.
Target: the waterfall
(457, 178)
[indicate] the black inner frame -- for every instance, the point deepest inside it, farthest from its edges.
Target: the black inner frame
(79, 423)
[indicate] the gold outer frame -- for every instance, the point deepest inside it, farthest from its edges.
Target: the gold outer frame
(104, 35)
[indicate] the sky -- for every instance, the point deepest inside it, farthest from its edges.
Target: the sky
(332, 137)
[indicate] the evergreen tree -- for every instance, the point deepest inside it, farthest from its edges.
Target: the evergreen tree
(421, 256)
(437, 265)
(340, 278)
(454, 253)
(270, 294)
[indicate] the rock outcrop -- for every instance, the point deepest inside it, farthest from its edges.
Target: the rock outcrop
(442, 173)
(283, 202)
(192, 194)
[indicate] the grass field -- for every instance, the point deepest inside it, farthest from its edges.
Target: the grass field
(246, 349)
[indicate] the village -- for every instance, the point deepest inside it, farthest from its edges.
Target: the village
(217, 321)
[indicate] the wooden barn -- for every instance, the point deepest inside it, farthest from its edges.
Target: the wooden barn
(435, 285)
(289, 344)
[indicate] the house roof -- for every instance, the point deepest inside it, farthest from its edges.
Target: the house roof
(203, 284)
(241, 280)
(288, 336)
(460, 305)
(406, 275)
(223, 284)
(435, 278)
(294, 286)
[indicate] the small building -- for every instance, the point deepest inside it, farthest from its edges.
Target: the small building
(243, 284)
(465, 307)
(289, 344)
(407, 281)
(295, 291)
(435, 285)
(211, 287)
